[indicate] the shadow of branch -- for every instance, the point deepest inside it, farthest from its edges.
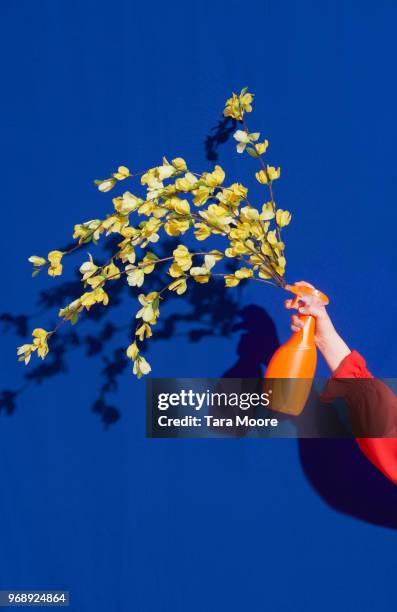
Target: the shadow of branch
(213, 310)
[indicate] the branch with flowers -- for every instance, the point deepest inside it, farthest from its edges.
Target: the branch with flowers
(177, 201)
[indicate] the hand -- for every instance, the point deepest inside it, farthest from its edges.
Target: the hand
(311, 305)
(326, 337)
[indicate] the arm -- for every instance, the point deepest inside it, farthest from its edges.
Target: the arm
(347, 364)
(382, 452)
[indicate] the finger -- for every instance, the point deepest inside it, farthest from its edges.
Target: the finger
(295, 329)
(304, 301)
(297, 321)
(310, 300)
(313, 309)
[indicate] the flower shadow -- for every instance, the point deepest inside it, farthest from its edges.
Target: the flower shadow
(211, 310)
(218, 136)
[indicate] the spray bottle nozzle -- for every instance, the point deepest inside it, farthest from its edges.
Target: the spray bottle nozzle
(301, 290)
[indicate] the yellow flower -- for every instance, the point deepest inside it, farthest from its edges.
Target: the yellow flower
(181, 207)
(215, 178)
(37, 261)
(175, 227)
(71, 310)
(96, 281)
(261, 177)
(261, 147)
(231, 280)
(132, 351)
(201, 274)
(144, 331)
(148, 176)
(127, 252)
(179, 164)
(155, 188)
(217, 255)
(237, 248)
(244, 273)
(111, 272)
(202, 278)
(39, 344)
(158, 212)
(201, 195)
(175, 271)
(266, 250)
(232, 107)
(241, 231)
(264, 274)
(168, 191)
(182, 257)
(106, 185)
(255, 260)
(127, 203)
(149, 311)
(282, 262)
(217, 216)
(248, 213)
(141, 367)
(90, 230)
(135, 276)
(246, 101)
(122, 173)
(186, 183)
(256, 230)
(87, 269)
(243, 138)
(40, 341)
(147, 208)
(131, 235)
(54, 257)
(101, 297)
(80, 231)
(179, 285)
(273, 173)
(165, 171)
(202, 231)
(272, 238)
(113, 224)
(148, 263)
(88, 299)
(236, 106)
(96, 296)
(232, 195)
(149, 231)
(280, 269)
(267, 212)
(25, 351)
(283, 217)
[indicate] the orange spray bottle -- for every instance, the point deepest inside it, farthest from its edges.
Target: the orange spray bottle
(293, 365)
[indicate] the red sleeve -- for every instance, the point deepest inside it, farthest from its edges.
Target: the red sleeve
(382, 452)
(352, 366)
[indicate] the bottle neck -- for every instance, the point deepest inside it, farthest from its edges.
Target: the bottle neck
(304, 337)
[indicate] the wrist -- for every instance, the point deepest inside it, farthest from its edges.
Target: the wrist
(333, 348)
(324, 340)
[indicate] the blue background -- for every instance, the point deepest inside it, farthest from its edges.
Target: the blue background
(87, 502)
